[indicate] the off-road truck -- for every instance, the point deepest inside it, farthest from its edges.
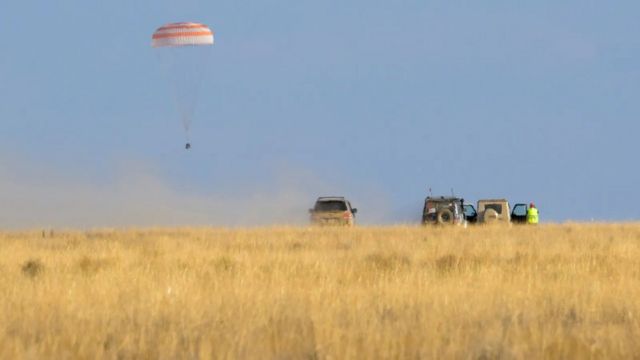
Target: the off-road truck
(443, 211)
(495, 211)
(333, 210)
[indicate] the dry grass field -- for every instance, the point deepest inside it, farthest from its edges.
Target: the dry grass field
(556, 291)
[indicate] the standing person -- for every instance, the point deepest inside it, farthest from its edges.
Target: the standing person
(532, 214)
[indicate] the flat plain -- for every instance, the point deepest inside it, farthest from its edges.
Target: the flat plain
(552, 291)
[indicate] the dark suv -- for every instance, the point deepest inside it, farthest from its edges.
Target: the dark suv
(333, 210)
(443, 211)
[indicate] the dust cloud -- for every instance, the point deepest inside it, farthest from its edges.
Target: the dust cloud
(50, 198)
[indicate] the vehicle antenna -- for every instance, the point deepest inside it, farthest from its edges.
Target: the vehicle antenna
(430, 192)
(452, 194)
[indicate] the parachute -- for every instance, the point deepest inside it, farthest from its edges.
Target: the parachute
(182, 34)
(183, 49)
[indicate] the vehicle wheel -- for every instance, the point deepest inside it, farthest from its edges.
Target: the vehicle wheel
(490, 216)
(445, 216)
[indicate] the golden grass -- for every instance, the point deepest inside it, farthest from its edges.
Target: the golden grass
(556, 291)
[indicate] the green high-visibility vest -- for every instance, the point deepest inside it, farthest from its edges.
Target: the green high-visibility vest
(532, 216)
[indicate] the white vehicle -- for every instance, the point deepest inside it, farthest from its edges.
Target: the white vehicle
(495, 211)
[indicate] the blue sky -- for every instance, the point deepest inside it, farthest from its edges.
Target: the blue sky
(378, 101)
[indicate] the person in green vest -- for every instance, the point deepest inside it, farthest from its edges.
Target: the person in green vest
(532, 214)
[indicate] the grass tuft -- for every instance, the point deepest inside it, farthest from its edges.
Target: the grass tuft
(387, 262)
(32, 268)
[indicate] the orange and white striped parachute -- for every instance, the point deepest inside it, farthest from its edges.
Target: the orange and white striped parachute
(182, 34)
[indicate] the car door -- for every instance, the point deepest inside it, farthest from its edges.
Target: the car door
(352, 209)
(519, 213)
(470, 213)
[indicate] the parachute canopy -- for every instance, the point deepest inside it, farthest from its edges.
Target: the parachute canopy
(182, 34)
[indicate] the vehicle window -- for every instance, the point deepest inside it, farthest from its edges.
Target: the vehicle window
(520, 210)
(331, 206)
(444, 206)
(469, 211)
(496, 207)
(429, 208)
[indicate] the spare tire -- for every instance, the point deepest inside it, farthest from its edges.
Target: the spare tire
(490, 216)
(445, 216)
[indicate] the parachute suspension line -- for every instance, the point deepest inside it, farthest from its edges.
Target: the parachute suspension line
(186, 123)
